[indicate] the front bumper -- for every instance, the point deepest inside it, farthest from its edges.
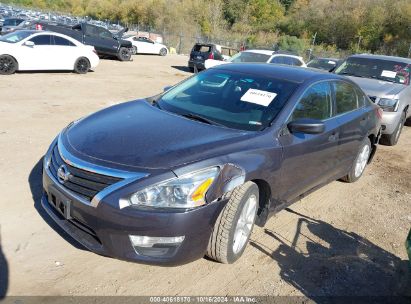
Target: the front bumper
(105, 229)
(390, 121)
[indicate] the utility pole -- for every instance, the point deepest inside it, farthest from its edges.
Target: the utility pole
(312, 46)
(359, 43)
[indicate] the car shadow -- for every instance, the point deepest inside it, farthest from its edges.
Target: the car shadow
(181, 68)
(4, 273)
(36, 188)
(50, 72)
(323, 261)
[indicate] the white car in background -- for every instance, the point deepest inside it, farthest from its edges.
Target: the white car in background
(254, 56)
(29, 50)
(144, 45)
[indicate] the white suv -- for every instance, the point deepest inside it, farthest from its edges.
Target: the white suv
(253, 56)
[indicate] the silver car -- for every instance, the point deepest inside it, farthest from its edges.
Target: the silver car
(386, 80)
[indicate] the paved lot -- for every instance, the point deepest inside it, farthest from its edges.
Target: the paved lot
(345, 239)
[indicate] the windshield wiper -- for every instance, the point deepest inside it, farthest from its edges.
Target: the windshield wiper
(351, 74)
(200, 118)
(384, 79)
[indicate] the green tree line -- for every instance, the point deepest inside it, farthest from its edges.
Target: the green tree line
(378, 26)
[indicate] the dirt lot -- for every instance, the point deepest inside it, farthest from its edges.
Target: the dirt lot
(345, 239)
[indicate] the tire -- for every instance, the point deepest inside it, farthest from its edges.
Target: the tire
(392, 139)
(233, 227)
(408, 122)
(124, 54)
(191, 69)
(360, 162)
(163, 52)
(82, 65)
(8, 65)
(134, 50)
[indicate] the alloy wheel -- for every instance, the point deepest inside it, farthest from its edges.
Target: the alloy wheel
(244, 224)
(362, 160)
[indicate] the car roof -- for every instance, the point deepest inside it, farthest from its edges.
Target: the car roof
(382, 57)
(272, 53)
(285, 72)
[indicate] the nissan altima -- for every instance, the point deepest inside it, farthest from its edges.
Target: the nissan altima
(187, 173)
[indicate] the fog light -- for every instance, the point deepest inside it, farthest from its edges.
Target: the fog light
(149, 241)
(156, 246)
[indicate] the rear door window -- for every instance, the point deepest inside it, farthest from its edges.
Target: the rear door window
(316, 103)
(202, 48)
(346, 97)
(62, 41)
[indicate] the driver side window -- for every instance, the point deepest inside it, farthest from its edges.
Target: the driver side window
(316, 103)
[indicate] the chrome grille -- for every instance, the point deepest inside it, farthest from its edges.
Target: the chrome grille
(83, 183)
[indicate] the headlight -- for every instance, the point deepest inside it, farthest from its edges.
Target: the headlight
(388, 105)
(187, 191)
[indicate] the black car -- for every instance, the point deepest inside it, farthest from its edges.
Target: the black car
(168, 179)
(11, 24)
(327, 64)
(203, 51)
(105, 42)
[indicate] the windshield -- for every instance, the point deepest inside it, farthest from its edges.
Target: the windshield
(231, 99)
(249, 57)
(15, 36)
(323, 64)
(387, 70)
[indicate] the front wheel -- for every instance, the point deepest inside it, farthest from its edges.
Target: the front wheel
(234, 225)
(124, 54)
(360, 162)
(8, 65)
(392, 139)
(82, 66)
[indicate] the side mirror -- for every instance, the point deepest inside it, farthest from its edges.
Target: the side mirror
(29, 43)
(167, 88)
(307, 126)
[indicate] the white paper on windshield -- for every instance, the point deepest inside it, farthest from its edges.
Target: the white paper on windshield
(262, 98)
(388, 74)
(332, 62)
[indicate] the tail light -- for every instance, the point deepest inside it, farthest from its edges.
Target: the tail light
(379, 112)
(211, 56)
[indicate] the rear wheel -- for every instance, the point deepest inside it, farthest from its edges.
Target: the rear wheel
(163, 52)
(360, 162)
(82, 66)
(8, 65)
(234, 225)
(124, 54)
(392, 139)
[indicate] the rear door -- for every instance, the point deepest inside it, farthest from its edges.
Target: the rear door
(201, 52)
(309, 159)
(101, 39)
(66, 53)
(354, 119)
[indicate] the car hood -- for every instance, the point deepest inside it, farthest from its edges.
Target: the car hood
(140, 136)
(209, 63)
(378, 88)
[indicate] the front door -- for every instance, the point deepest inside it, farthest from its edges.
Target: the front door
(309, 159)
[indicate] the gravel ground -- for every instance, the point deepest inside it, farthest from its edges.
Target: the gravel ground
(345, 239)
